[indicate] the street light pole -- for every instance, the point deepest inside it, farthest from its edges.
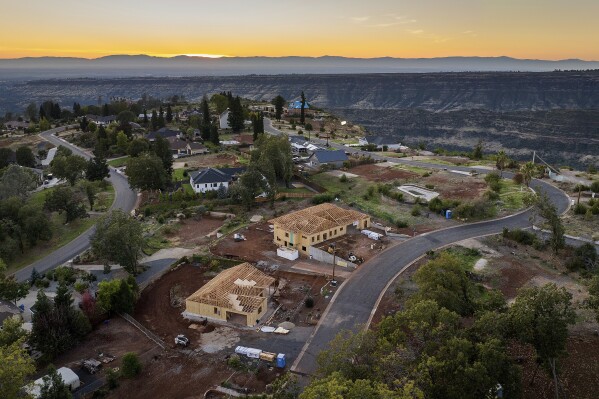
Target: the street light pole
(334, 259)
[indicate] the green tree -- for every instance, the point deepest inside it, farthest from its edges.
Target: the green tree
(97, 169)
(15, 366)
(220, 103)
(54, 387)
(272, 156)
(90, 190)
(10, 289)
(214, 136)
(279, 103)
(125, 117)
(593, 302)
(477, 152)
(444, 280)
(547, 210)
(248, 187)
(7, 156)
(131, 365)
(67, 200)
(35, 224)
(137, 147)
(12, 331)
(595, 186)
(68, 167)
(541, 316)
(236, 119)
(528, 171)
(162, 149)
(44, 124)
(146, 172)
(303, 109)
(118, 296)
(336, 386)
(25, 157)
(154, 120)
(31, 112)
(161, 122)
(17, 182)
(501, 161)
(118, 238)
(122, 142)
(169, 114)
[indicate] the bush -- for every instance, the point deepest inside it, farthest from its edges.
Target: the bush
(518, 178)
(585, 258)
(322, 198)
(131, 365)
(520, 236)
(235, 362)
(492, 195)
(112, 378)
(579, 209)
(401, 224)
(416, 211)
(343, 178)
(430, 186)
(475, 210)
(80, 286)
(309, 302)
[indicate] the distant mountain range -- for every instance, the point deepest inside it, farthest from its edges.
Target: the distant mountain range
(144, 65)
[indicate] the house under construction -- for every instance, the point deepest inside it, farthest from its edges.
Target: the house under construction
(238, 295)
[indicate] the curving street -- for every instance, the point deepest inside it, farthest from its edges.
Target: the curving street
(357, 298)
(125, 199)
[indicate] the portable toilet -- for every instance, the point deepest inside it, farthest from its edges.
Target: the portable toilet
(281, 360)
(448, 214)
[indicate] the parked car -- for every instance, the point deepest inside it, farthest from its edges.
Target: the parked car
(181, 340)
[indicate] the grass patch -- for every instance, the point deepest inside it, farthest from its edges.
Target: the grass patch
(178, 175)
(415, 169)
(513, 195)
(118, 162)
(63, 234)
(188, 189)
(467, 256)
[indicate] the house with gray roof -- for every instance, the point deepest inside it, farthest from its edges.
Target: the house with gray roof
(212, 178)
(327, 157)
(380, 142)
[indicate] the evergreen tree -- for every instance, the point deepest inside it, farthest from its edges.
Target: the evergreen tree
(279, 103)
(42, 112)
(303, 110)
(206, 120)
(236, 115)
(54, 387)
(162, 149)
(105, 110)
(214, 137)
(161, 122)
(169, 114)
(145, 117)
(154, 120)
(97, 169)
(56, 111)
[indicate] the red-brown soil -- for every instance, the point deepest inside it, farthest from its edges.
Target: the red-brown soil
(456, 187)
(191, 232)
(258, 241)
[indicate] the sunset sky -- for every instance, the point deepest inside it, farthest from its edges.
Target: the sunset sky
(545, 29)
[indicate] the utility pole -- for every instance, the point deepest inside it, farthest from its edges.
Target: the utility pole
(334, 258)
(534, 155)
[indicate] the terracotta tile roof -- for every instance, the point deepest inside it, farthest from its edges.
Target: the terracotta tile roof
(317, 218)
(237, 288)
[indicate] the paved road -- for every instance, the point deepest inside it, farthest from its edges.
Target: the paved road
(357, 298)
(125, 199)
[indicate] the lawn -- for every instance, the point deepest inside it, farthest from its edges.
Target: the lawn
(178, 175)
(62, 234)
(118, 162)
(513, 195)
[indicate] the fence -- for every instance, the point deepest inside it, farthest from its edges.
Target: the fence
(320, 189)
(151, 336)
(323, 256)
(287, 195)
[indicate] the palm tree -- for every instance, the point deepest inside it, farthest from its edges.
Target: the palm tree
(501, 161)
(528, 171)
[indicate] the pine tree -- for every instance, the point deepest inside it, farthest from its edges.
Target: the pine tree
(105, 110)
(169, 114)
(214, 138)
(161, 122)
(154, 120)
(206, 120)
(236, 115)
(279, 103)
(145, 117)
(303, 110)
(42, 112)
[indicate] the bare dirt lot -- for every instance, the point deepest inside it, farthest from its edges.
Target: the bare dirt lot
(382, 174)
(456, 186)
(192, 232)
(258, 244)
(291, 297)
(210, 160)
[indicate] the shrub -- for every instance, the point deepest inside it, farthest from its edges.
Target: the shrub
(518, 178)
(322, 198)
(309, 302)
(595, 187)
(475, 210)
(401, 224)
(492, 195)
(416, 211)
(585, 258)
(520, 236)
(579, 209)
(112, 378)
(430, 186)
(80, 286)
(343, 178)
(131, 365)
(235, 362)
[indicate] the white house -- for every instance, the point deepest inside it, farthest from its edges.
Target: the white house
(211, 179)
(224, 120)
(380, 142)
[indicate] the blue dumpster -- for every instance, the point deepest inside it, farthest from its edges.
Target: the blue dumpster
(281, 360)
(448, 214)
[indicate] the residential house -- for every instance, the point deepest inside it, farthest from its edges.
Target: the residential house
(164, 133)
(101, 120)
(333, 158)
(295, 108)
(182, 147)
(224, 120)
(211, 179)
(238, 295)
(311, 226)
(381, 142)
(17, 125)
